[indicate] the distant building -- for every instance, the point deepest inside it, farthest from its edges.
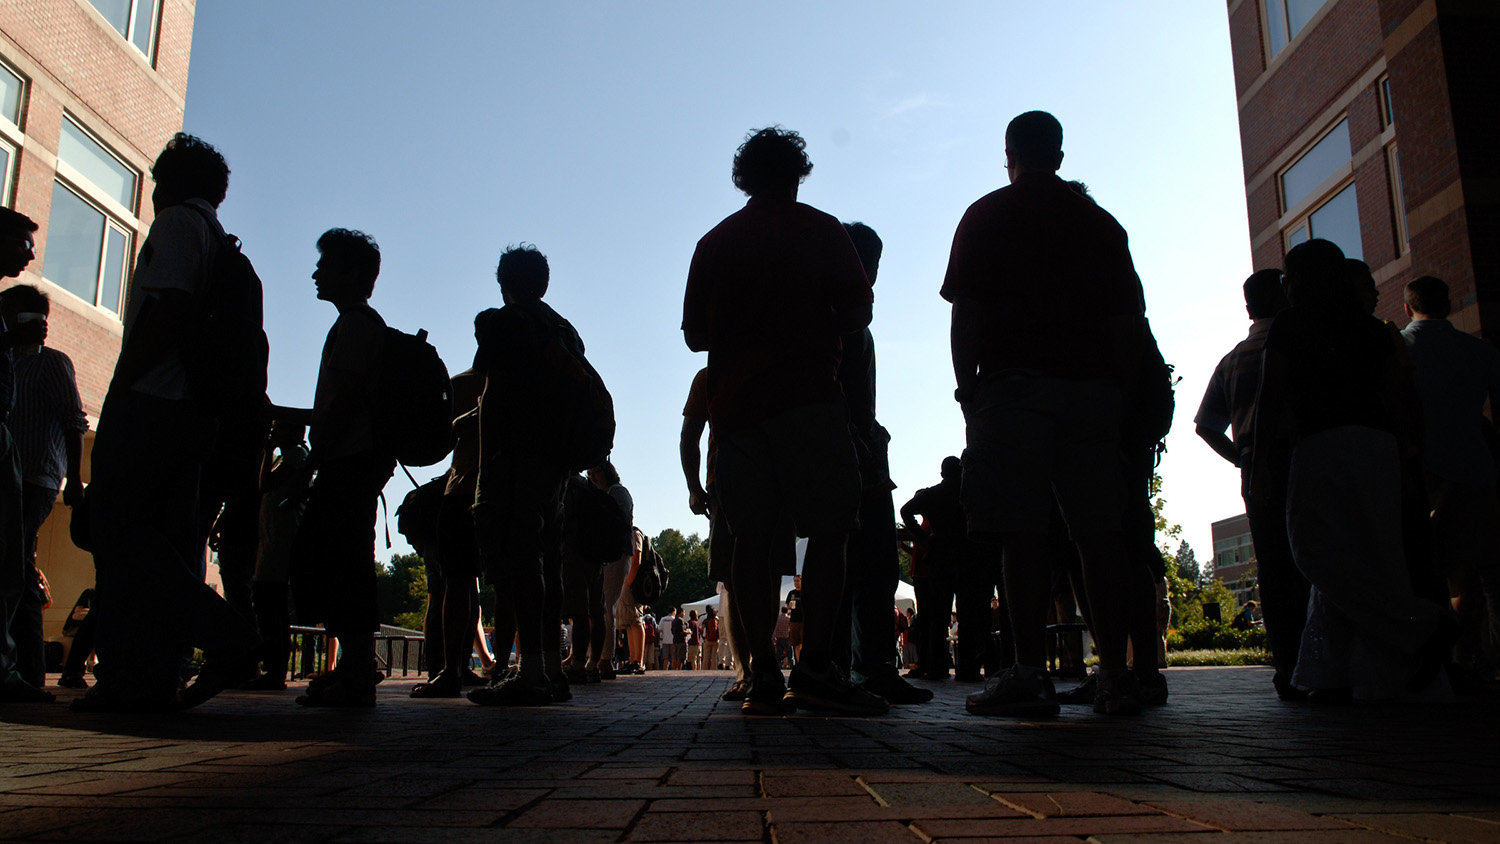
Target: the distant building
(90, 91)
(1371, 123)
(1234, 557)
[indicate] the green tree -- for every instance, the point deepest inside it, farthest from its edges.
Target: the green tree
(401, 588)
(1187, 563)
(686, 558)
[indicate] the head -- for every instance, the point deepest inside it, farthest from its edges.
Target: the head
(910, 612)
(1362, 284)
(1033, 144)
(709, 612)
(17, 242)
(1427, 298)
(189, 168)
(348, 264)
(604, 475)
(692, 615)
(953, 468)
(772, 161)
(796, 581)
(672, 611)
(867, 244)
(26, 308)
(523, 273)
(1315, 276)
(784, 609)
(1264, 295)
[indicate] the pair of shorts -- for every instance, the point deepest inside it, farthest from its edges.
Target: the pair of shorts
(794, 471)
(1030, 436)
(457, 554)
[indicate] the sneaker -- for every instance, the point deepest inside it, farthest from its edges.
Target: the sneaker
(473, 678)
(1119, 693)
(1082, 694)
(828, 689)
(512, 691)
(72, 681)
(767, 696)
(887, 682)
(441, 686)
(607, 671)
(736, 692)
(1015, 693)
(1153, 686)
(561, 691)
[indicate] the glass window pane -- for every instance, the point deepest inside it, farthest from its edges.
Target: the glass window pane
(1299, 12)
(1313, 168)
(1385, 97)
(1338, 221)
(145, 17)
(1276, 23)
(114, 270)
(5, 174)
(117, 12)
(97, 165)
(11, 87)
(1297, 237)
(75, 241)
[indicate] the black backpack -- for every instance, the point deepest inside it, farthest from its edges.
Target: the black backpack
(597, 528)
(1149, 397)
(414, 414)
(417, 517)
(651, 577)
(582, 432)
(226, 355)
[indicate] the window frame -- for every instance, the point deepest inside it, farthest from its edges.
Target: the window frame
(1324, 190)
(1303, 218)
(1286, 24)
(1398, 199)
(117, 217)
(131, 25)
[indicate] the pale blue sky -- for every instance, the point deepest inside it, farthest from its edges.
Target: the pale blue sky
(603, 133)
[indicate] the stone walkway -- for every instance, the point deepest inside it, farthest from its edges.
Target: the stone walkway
(659, 759)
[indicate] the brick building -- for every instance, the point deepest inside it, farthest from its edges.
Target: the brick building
(1234, 557)
(90, 91)
(1371, 123)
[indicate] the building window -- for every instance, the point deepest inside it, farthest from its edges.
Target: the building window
(88, 240)
(1387, 107)
(135, 20)
(1336, 220)
(1327, 212)
(12, 99)
(1398, 199)
(1286, 18)
(7, 168)
(12, 89)
(1315, 166)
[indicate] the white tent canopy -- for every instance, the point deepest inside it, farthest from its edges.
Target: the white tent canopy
(906, 596)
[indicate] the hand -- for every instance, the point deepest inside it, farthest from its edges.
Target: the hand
(72, 492)
(698, 502)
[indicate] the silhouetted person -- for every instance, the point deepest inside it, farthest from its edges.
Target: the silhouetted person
(770, 291)
(1229, 403)
(155, 436)
(613, 576)
(17, 572)
(284, 477)
(866, 633)
(334, 563)
(1455, 373)
(1043, 404)
(48, 424)
(1330, 388)
(939, 530)
(518, 498)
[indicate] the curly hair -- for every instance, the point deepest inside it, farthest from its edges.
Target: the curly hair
(190, 167)
(12, 220)
(770, 159)
(523, 272)
(357, 248)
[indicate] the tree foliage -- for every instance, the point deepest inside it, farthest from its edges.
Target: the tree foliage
(401, 588)
(686, 558)
(1187, 563)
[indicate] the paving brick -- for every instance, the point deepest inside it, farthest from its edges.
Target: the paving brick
(1054, 826)
(928, 794)
(1432, 827)
(810, 785)
(708, 825)
(1070, 804)
(882, 832)
(1239, 816)
(1351, 836)
(579, 814)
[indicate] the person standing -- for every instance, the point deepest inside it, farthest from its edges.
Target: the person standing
(666, 631)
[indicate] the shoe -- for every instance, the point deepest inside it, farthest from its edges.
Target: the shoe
(438, 687)
(72, 681)
(1331, 697)
(736, 693)
(827, 688)
(1287, 692)
(512, 691)
(472, 679)
(767, 696)
(575, 675)
(264, 683)
(591, 675)
(606, 671)
(1082, 694)
(561, 690)
(1119, 693)
(1015, 693)
(1152, 685)
(216, 676)
(886, 682)
(16, 690)
(339, 695)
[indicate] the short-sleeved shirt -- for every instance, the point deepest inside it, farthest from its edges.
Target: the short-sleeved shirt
(794, 606)
(177, 255)
(664, 627)
(343, 417)
(47, 409)
(697, 408)
(1229, 401)
(1036, 253)
(943, 511)
(1455, 373)
(764, 289)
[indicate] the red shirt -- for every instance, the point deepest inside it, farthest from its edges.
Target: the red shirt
(1050, 268)
(763, 289)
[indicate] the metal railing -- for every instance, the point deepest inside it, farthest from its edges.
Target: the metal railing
(310, 652)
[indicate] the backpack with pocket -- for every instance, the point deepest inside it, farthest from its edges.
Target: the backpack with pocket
(226, 355)
(414, 413)
(1149, 397)
(417, 517)
(582, 430)
(596, 526)
(651, 577)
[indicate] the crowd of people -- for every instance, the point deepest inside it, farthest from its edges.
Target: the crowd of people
(1368, 481)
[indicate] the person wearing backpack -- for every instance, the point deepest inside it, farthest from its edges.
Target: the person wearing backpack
(333, 570)
(531, 356)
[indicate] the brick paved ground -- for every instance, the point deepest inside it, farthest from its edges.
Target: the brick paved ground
(659, 759)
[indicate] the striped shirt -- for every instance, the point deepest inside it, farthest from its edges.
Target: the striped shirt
(47, 409)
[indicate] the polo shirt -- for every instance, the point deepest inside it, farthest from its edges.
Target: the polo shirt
(1229, 401)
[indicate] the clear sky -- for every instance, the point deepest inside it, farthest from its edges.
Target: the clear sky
(603, 133)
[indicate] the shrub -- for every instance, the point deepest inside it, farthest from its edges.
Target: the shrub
(1247, 656)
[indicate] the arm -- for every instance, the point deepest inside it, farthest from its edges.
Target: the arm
(966, 340)
(854, 318)
(1219, 442)
(911, 517)
(73, 487)
(692, 459)
(635, 559)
